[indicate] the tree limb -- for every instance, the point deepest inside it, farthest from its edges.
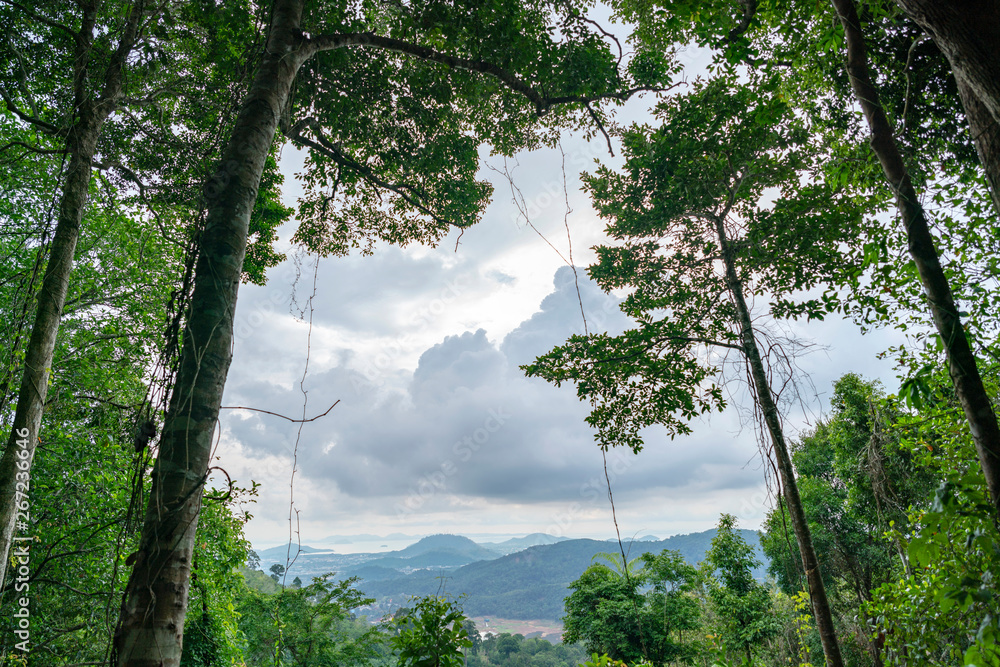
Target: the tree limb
(46, 127)
(45, 21)
(334, 152)
(542, 102)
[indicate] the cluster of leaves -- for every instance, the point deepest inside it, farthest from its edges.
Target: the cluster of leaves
(942, 608)
(719, 150)
(911, 570)
(432, 634)
(658, 609)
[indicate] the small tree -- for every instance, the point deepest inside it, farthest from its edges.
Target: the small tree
(433, 634)
(743, 603)
(635, 613)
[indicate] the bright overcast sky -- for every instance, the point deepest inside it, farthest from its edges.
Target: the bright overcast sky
(437, 430)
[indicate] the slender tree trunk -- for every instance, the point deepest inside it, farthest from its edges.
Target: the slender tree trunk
(81, 145)
(151, 625)
(985, 130)
(961, 361)
(968, 33)
(772, 419)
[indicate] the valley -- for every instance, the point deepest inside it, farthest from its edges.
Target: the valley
(520, 579)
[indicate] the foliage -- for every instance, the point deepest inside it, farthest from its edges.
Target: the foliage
(212, 637)
(85, 467)
(631, 614)
(506, 650)
(855, 481)
(719, 149)
(306, 627)
(943, 608)
(432, 634)
(743, 604)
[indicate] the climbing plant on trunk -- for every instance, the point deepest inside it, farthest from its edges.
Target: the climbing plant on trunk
(96, 94)
(394, 101)
(968, 383)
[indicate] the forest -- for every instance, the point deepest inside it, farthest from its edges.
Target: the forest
(835, 160)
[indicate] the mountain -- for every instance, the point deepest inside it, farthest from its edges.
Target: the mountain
(434, 553)
(452, 544)
(520, 543)
(531, 584)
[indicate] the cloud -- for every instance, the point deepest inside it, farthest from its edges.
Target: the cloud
(468, 430)
(436, 428)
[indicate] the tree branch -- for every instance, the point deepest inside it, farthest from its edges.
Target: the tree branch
(47, 128)
(45, 21)
(275, 414)
(749, 11)
(334, 152)
(542, 102)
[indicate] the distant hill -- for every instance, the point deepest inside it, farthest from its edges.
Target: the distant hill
(450, 544)
(531, 584)
(520, 543)
(433, 553)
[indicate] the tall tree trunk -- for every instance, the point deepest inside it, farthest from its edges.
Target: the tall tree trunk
(961, 361)
(772, 419)
(985, 130)
(151, 625)
(968, 33)
(81, 145)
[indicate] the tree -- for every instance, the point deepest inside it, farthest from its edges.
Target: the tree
(857, 486)
(97, 84)
(642, 616)
(743, 604)
(602, 612)
(302, 626)
(793, 41)
(403, 97)
(961, 361)
(967, 33)
(942, 608)
(670, 607)
(92, 86)
(694, 240)
(433, 634)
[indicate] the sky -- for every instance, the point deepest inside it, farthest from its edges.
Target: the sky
(435, 428)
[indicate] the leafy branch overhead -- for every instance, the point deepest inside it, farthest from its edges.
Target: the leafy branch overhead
(726, 154)
(394, 106)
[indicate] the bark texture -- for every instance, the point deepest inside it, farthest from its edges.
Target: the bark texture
(81, 144)
(772, 420)
(961, 361)
(968, 33)
(985, 130)
(151, 625)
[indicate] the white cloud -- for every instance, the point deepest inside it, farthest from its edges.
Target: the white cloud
(437, 430)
